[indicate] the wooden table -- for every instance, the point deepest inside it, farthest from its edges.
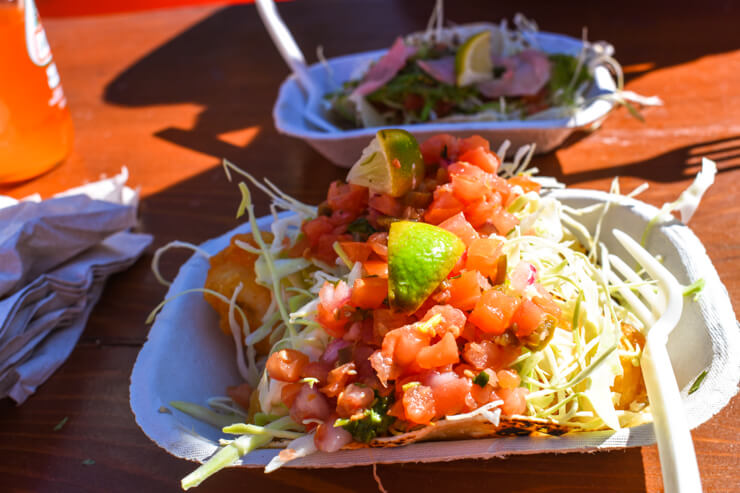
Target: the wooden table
(168, 93)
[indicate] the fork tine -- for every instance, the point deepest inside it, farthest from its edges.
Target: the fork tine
(642, 312)
(652, 298)
(648, 292)
(668, 285)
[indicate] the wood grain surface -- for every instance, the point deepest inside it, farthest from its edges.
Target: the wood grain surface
(168, 93)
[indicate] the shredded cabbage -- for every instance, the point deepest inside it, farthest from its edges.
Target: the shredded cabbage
(490, 411)
(689, 199)
(300, 447)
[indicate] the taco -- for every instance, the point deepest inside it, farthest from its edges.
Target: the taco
(438, 294)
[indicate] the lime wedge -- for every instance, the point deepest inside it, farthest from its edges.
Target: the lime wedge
(420, 256)
(391, 164)
(473, 60)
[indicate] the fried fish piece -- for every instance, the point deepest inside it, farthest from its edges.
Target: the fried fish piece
(630, 384)
(229, 267)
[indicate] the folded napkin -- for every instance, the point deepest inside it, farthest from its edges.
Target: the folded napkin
(55, 256)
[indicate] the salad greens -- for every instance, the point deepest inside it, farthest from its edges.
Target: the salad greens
(567, 75)
(413, 96)
(526, 82)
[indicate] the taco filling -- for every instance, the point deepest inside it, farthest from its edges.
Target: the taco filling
(439, 293)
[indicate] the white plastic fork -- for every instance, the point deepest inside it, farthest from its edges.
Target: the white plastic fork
(675, 447)
(293, 56)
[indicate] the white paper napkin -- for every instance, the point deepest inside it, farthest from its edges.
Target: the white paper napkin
(55, 256)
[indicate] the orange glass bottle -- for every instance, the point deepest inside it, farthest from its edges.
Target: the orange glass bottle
(35, 125)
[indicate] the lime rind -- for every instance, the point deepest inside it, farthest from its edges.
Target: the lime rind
(420, 256)
(409, 169)
(392, 164)
(473, 60)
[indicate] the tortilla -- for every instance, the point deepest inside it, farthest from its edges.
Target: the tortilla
(475, 427)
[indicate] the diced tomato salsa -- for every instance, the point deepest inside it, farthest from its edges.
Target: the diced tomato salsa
(452, 355)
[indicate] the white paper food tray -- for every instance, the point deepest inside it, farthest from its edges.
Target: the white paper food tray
(343, 147)
(187, 358)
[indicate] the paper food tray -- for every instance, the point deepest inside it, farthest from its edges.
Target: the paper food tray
(343, 147)
(187, 358)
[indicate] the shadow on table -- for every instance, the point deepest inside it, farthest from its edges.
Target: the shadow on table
(227, 64)
(224, 64)
(676, 165)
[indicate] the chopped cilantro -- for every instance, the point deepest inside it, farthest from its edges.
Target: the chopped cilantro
(697, 383)
(361, 226)
(375, 422)
(481, 380)
(695, 288)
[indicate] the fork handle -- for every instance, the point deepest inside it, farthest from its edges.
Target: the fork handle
(675, 446)
(284, 42)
